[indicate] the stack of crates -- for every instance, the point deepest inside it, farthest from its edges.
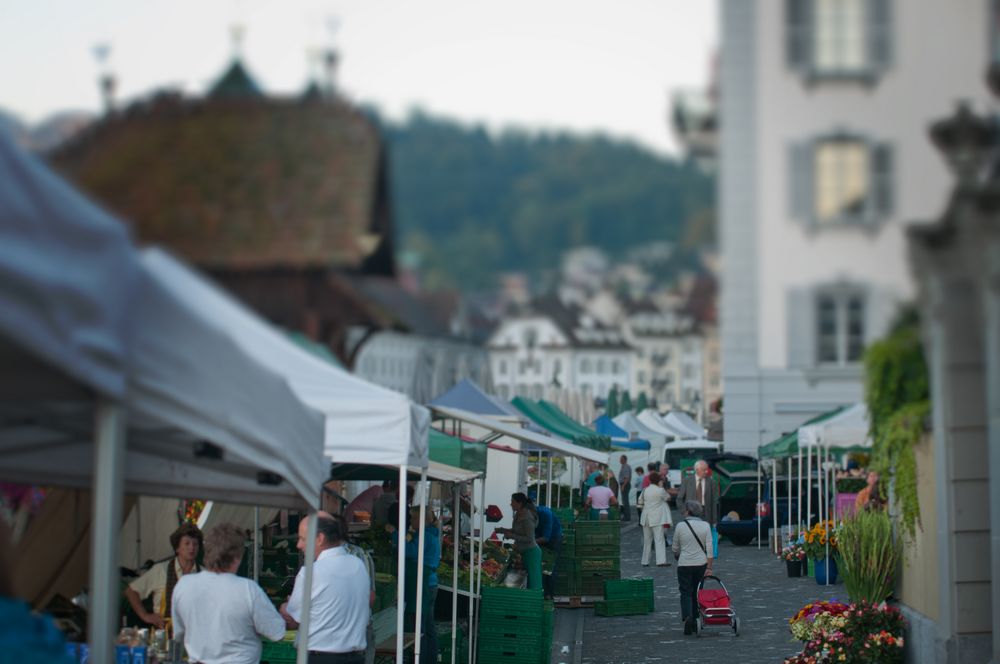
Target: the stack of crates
(279, 652)
(515, 627)
(597, 555)
(626, 597)
(444, 643)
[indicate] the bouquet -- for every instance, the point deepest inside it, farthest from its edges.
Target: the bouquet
(860, 633)
(819, 539)
(817, 617)
(793, 553)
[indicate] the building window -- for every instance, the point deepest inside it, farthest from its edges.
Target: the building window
(616, 366)
(522, 367)
(641, 377)
(600, 366)
(503, 391)
(841, 179)
(537, 391)
(503, 368)
(840, 327)
(839, 39)
(688, 371)
(585, 366)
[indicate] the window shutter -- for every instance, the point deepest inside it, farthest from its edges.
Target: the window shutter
(801, 318)
(879, 34)
(882, 180)
(798, 33)
(800, 180)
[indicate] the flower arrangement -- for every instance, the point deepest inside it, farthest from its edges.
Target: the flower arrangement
(192, 510)
(858, 633)
(793, 553)
(820, 540)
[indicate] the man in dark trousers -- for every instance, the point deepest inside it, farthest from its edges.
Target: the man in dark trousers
(624, 486)
(548, 534)
(703, 489)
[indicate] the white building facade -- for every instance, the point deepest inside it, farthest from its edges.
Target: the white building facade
(667, 365)
(824, 111)
(533, 351)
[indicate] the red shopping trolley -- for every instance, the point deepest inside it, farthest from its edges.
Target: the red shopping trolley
(715, 607)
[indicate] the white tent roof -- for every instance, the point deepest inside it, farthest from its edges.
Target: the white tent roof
(629, 422)
(848, 428)
(652, 420)
(129, 334)
(683, 422)
(526, 435)
(365, 423)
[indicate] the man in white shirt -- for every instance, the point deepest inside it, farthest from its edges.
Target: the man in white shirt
(219, 616)
(340, 608)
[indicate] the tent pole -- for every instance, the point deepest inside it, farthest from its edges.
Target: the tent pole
(826, 486)
(774, 500)
(138, 533)
(788, 469)
(419, 625)
(809, 493)
(401, 565)
(482, 540)
(559, 495)
(548, 491)
(109, 483)
(799, 500)
(472, 574)
(757, 506)
(256, 544)
(456, 532)
(310, 557)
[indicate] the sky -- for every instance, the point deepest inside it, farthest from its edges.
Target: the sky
(579, 65)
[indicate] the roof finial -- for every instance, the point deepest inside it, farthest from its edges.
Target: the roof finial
(237, 31)
(105, 79)
(330, 57)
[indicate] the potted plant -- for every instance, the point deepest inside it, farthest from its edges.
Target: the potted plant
(794, 557)
(869, 554)
(821, 546)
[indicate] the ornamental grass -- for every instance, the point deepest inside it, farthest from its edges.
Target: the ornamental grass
(870, 553)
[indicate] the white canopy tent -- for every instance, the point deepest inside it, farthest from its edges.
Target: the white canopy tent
(847, 430)
(681, 421)
(654, 421)
(629, 422)
(111, 380)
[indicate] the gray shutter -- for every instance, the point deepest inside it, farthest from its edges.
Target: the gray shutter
(801, 318)
(798, 33)
(879, 34)
(800, 180)
(882, 180)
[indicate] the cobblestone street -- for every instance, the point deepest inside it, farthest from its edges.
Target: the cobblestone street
(762, 594)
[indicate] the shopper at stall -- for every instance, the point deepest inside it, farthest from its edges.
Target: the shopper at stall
(380, 508)
(692, 549)
(870, 498)
(362, 555)
(599, 500)
(340, 602)
(522, 530)
(219, 616)
(162, 577)
(548, 535)
(640, 484)
(655, 515)
(432, 560)
(624, 486)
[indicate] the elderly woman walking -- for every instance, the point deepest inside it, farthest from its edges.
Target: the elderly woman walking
(693, 550)
(523, 532)
(655, 515)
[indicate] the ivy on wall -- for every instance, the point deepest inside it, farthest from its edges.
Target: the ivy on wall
(897, 394)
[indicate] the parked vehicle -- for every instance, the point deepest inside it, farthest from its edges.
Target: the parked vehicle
(741, 496)
(681, 455)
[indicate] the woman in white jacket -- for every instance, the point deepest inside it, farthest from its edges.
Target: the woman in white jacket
(655, 515)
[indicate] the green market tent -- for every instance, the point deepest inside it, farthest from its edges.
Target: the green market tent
(452, 451)
(550, 417)
(788, 444)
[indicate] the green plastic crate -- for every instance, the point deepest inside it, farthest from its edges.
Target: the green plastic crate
(503, 601)
(597, 533)
(593, 583)
(623, 607)
(628, 588)
(601, 564)
(277, 652)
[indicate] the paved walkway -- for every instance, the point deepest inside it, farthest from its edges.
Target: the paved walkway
(763, 596)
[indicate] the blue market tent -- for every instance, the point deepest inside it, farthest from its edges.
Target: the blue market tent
(468, 396)
(619, 437)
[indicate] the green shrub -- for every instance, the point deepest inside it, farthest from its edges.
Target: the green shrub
(870, 554)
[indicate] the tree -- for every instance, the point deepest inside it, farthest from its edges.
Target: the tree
(626, 402)
(612, 409)
(642, 403)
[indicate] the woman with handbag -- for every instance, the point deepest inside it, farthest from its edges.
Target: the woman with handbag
(692, 547)
(655, 515)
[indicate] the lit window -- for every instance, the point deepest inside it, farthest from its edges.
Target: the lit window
(841, 183)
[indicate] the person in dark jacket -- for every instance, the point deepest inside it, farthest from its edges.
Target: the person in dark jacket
(548, 534)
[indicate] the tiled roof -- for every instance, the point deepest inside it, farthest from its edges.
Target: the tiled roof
(243, 183)
(580, 329)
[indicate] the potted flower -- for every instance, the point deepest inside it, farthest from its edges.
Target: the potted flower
(794, 557)
(821, 546)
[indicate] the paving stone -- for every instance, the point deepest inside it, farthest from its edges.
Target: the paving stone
(762, 594)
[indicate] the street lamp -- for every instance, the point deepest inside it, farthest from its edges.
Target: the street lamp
(966, 141)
